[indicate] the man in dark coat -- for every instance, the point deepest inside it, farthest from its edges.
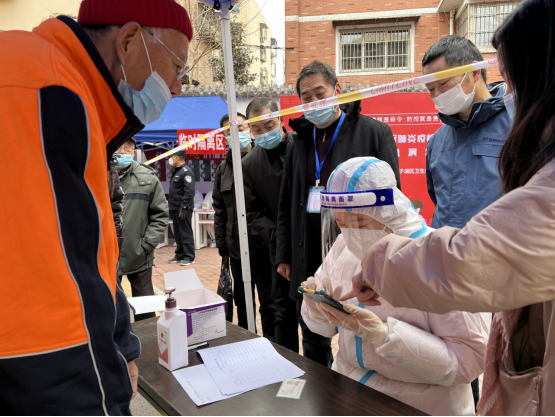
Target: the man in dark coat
(181, 203)
(226, 230)
(262, 172)
(330, 136)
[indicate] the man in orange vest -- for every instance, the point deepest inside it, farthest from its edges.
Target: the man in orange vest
(71, 93)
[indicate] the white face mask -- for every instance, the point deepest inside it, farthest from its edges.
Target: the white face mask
(360, 240)
(170, 161)
(149, 103)
(454, 100)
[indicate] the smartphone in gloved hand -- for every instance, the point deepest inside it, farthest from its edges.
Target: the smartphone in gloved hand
(322, 297)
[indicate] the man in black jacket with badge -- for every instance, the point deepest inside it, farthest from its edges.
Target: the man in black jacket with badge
(325, 138)
(181, 204)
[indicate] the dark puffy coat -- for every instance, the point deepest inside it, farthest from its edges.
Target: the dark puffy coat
(262, 173)
(226, 227)
(359, 136)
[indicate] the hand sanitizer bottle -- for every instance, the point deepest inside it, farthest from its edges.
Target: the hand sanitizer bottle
(172, 335)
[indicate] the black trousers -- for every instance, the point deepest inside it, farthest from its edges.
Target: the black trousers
(141, 284)
(286, 325)
(183, 232)
(475, 385)
(261, 276)
(288, 319)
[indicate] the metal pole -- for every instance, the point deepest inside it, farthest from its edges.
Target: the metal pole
(237, 169)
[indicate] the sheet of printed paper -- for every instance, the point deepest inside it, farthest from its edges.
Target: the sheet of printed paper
(291, 388)
(199, 385)
(247, 365)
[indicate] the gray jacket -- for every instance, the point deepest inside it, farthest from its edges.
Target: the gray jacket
(145, 218)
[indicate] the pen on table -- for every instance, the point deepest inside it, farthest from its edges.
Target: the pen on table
(200, 345)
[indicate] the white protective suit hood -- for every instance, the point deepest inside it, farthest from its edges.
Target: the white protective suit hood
(427, 360)
(368, 173)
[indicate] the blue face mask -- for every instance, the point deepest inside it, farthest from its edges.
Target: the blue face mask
(149, 103)
(123, 160)
(244, 140)
(269, 140)
(320, 117)
(509, 100)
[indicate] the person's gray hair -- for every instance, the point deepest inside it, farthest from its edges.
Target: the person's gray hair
(258, 105)
(317, 67)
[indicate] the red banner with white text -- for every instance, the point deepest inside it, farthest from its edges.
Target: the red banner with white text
(211, 146)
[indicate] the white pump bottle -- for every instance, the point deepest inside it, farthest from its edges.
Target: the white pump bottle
(172, 335)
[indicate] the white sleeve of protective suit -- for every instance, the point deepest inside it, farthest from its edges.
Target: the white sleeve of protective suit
(453, 352)
(323, 329)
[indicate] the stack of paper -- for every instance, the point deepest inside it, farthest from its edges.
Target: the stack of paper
(234, 369)
(200, 386)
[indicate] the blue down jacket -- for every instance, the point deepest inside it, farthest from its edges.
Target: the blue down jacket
(461, 160)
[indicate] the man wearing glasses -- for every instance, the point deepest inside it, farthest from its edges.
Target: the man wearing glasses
(75, 92)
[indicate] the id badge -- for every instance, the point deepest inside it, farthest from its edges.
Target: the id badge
(313, 205)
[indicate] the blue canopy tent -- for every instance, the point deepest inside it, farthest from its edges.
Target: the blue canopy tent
(182, 113)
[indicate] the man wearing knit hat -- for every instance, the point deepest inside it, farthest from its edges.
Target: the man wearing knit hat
(72, 94)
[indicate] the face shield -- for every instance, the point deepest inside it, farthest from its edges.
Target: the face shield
(344, 223)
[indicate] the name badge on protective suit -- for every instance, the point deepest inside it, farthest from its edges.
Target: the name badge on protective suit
(313, 205)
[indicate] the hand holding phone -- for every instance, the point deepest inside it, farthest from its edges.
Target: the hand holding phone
(322, 297)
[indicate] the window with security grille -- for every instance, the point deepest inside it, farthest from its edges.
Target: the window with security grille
(375, 49)
(478, 22)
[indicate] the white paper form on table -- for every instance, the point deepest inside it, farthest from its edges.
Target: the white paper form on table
(247, 365)
(199, 385)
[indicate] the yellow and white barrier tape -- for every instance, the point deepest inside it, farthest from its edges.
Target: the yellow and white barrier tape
(343, 99)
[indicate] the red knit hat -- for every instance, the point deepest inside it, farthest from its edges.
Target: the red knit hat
(154, 13)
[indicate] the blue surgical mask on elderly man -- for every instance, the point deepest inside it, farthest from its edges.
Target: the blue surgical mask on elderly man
(124, 160)
(269, 140)
(149, 103)
(321, 117)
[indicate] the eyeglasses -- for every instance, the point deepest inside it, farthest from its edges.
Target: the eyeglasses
(186, 68)
(126, 149)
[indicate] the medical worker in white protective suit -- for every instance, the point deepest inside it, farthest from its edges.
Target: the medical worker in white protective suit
(422, 359)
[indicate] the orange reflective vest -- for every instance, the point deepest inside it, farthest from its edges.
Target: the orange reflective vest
(65, 337)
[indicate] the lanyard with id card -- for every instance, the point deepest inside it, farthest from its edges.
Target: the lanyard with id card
(313, 205)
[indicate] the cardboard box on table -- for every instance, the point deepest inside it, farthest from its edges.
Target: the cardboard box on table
(205, 310)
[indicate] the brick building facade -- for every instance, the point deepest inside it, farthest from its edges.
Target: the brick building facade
(381, 41)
